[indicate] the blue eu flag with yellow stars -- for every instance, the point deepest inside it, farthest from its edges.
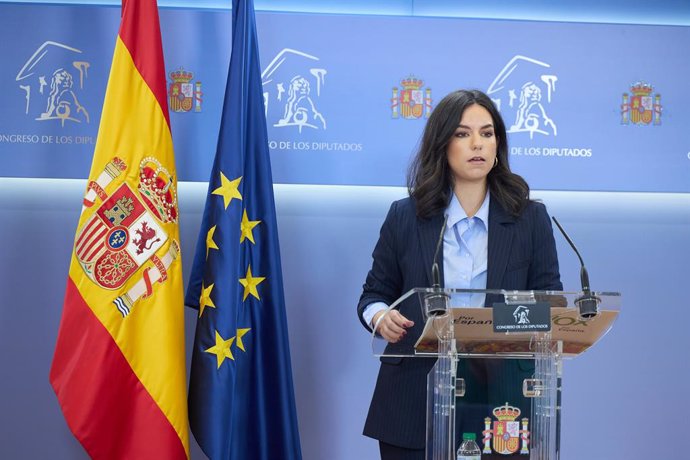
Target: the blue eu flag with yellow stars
(241, 399)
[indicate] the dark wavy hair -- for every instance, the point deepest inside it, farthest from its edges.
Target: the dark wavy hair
(430, 179)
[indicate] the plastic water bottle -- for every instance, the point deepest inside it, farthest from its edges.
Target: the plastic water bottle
(469, 450)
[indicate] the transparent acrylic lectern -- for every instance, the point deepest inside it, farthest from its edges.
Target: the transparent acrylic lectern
(453, 332)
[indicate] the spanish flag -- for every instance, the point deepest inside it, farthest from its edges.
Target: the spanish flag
(119, 367)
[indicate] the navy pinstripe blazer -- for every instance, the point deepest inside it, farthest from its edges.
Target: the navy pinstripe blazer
(521, 255)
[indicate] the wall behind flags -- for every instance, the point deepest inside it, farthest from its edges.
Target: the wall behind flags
(605, 146)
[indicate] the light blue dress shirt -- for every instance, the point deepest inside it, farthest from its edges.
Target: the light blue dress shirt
(465, 254)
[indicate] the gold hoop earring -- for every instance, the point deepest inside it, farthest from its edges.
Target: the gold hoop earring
(495, 161)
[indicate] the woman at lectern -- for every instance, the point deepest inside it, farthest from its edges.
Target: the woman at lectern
(495, 238)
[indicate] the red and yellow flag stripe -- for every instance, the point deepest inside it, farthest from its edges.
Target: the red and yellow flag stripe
(121, 380)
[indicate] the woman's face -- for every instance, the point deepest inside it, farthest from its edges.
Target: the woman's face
(471, 151)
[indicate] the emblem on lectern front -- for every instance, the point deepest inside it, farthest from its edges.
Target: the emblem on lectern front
(508, 435)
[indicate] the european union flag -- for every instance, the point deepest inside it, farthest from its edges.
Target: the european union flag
(241, 400)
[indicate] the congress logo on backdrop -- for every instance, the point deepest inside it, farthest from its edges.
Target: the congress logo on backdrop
(293, 82)
(523, 91)
(183, 94)
(52, 80)
(412, 101)
(640, 107)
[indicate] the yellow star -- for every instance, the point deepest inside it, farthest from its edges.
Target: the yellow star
(210, 244)
(205, 299)
(246, 226)
(250, 283)
(221, 349)
(240, 333)
(228, 189)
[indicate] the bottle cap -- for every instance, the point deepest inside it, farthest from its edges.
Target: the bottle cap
(469, 437)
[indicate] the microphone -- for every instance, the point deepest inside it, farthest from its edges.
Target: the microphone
(587, 303)
(436, 303)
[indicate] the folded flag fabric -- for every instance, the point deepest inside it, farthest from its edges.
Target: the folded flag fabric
(241, 400)
(119, 364)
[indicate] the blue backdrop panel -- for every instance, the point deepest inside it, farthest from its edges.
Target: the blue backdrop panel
(589, 106)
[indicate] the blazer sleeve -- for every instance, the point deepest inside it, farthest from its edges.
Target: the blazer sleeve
(543, 273)
(384, 280)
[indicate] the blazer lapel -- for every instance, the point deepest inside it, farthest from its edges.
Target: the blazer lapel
(429, 231)
(501, 227)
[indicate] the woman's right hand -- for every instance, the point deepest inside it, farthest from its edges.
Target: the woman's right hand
(393, 326)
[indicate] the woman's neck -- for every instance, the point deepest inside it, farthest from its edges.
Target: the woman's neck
(471, 196)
